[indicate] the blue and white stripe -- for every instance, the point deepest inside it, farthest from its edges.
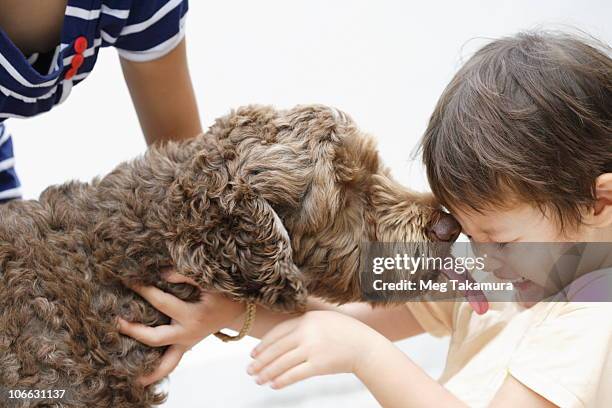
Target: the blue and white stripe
(140, 30)
(9, 183)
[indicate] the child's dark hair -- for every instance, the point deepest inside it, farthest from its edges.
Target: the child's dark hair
(528, 118)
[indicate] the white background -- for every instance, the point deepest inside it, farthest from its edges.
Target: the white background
(383, 62)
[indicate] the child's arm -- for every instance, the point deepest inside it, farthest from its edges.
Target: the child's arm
(393, 322)
(163, 96)
(191, 322)
(323, 342)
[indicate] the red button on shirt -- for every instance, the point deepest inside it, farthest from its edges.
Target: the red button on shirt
(77, 61)
(80, 45)
(71, 72)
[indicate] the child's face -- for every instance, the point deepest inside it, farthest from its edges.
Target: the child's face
(525, 265)
(535, 270)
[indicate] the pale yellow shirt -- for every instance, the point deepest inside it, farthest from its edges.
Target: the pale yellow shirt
(560, 350)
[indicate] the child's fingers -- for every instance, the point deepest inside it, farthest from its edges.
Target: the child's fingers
(281, 365)
(272, 352)
(166, 303)
(272, 336)
(174, 277)
(151, 336)
(293, 375)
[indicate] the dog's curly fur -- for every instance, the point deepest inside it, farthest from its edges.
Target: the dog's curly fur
(267, 205)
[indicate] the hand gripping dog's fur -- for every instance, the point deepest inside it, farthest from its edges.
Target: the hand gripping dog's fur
(266, 206)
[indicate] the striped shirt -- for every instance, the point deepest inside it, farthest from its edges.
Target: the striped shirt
(140, 30)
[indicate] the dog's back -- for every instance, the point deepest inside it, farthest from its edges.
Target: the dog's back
(56, 312)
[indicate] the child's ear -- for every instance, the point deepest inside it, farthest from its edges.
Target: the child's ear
(602, 212)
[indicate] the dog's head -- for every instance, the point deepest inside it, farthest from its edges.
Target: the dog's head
(400, 221)
(334, 194)
(406, 223)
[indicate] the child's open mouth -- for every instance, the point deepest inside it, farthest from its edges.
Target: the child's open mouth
(522, 284)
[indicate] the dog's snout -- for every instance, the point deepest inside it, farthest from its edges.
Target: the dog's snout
(446, 229)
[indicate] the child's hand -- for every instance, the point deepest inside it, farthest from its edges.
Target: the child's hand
(191, 322)
(316, 343)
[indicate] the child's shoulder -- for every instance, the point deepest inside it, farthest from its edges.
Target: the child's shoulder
(595, 286)
(585, 304)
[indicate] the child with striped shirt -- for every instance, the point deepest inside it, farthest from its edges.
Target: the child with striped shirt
(46, 48)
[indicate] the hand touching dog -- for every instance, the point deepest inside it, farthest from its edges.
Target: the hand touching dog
(191, 322)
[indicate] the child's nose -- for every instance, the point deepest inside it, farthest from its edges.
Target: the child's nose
(446, 229)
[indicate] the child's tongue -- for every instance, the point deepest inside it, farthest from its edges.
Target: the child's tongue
(476, 298)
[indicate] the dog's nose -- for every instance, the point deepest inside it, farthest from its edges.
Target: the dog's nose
(446, 229)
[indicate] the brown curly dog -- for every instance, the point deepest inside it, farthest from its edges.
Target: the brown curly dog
(267, 206)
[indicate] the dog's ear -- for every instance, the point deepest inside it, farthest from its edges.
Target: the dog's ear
(245, 253)
(261, 250)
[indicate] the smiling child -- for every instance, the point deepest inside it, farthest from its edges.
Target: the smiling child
(519, 149)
